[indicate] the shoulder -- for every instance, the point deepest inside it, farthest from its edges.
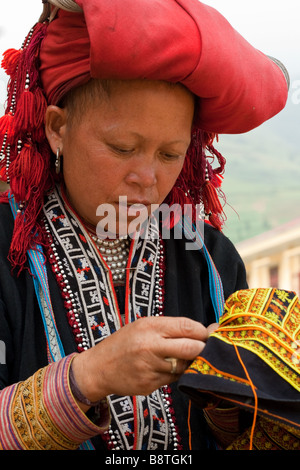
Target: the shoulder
(217, 243)
(222, 252)
(226, 259)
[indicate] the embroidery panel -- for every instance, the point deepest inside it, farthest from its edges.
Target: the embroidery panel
(95, 302)
(270, 328)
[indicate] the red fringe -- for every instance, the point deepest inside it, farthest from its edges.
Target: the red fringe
(26, 173)
(29, 172)
(30, 111)
(29, 181)
(3, 176)
(10, 61)
(7, 125)
(40, 107)
(216, 221)
(192, 188)
(178, 197)
(24, 116)
(210, 199)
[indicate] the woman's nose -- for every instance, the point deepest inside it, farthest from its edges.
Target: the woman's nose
(143, 173)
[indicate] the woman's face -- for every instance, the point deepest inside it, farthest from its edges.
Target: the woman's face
(132, 144)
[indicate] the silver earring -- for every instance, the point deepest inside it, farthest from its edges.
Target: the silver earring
(57, 161)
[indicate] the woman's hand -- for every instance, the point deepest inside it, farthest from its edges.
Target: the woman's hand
(132, 361)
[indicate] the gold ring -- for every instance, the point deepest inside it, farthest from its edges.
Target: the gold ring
(173, 362)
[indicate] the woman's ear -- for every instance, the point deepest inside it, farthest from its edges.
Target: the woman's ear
(55, 127)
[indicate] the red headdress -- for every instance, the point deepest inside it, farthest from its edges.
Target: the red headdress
(182, 41)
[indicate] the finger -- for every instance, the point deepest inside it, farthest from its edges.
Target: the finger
(182, 327)
(175, 366)
(211, 328)
(182, 348)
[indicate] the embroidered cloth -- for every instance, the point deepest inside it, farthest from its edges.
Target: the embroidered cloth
(253, 358)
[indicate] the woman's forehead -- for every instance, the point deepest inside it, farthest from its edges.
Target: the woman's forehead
(127, 95)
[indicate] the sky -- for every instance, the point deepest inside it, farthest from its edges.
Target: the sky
(270, 25)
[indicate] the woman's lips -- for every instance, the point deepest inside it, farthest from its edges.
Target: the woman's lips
(135, 203)
(133, 206)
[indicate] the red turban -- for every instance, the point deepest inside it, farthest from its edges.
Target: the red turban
(178, 41)
(185, 41)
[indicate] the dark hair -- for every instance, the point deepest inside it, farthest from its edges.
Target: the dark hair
(83, 97)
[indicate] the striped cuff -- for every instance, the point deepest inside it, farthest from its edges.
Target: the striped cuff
(42, 414)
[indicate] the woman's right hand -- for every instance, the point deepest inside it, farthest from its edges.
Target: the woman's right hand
(132, 361)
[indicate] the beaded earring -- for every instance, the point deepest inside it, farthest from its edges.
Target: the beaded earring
(57, 161)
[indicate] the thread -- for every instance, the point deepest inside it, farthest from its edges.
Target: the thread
(189, 425)
(254, 394)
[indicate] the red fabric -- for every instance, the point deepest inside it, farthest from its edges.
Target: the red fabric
(178, 41)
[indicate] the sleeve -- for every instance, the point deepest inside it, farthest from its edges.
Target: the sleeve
(41, 413)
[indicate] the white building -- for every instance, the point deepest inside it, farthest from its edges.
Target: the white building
(272, 259)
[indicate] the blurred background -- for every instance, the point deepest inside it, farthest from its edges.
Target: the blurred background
(262, 178)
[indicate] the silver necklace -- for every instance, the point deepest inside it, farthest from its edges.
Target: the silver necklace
(115, 254)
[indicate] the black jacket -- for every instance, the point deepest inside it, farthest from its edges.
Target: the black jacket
(186, 294)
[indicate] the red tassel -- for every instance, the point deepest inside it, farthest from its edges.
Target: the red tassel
(177, 197)
(3, 176)
(40, 107)
(210, 199)
(30, 112)
(10, 61)
(216, 222)
(29, 172)
(26, 172)
(24, 115)
(7, 125)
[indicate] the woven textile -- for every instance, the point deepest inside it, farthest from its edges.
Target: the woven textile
(253, 359)
(60, 425)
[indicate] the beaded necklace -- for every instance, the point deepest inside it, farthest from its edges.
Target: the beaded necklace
(115, 254)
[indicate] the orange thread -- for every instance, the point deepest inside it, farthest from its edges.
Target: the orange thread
(189, 425)
(255, 397)
(226, 375)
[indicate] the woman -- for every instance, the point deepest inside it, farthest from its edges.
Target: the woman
(110, 112)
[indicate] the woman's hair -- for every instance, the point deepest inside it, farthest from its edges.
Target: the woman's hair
(81, 98)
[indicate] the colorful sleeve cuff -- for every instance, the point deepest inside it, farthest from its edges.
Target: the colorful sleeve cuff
(42, 414)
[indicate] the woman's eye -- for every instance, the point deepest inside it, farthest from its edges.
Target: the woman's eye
(171, 156)
(121, 150)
